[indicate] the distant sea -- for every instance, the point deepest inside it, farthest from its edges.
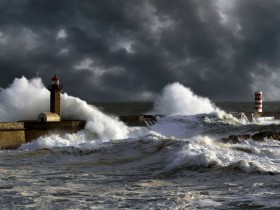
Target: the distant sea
(136, 108)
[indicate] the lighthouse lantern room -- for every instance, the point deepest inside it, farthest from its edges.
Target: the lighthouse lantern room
(55, 80)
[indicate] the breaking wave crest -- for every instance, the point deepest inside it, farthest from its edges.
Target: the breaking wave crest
(187, 137)
(179, 100)
(248, 157)
(25, 99)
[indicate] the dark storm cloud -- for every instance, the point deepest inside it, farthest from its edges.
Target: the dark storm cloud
(129, 50)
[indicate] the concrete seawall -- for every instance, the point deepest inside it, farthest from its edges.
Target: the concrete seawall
(249, 115)
(14, 134)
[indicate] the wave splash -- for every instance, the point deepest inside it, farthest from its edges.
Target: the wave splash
(24, 99)
(187, 138)
(206, 152)
(179, 100)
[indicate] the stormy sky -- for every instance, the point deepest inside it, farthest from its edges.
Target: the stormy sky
(128, 50)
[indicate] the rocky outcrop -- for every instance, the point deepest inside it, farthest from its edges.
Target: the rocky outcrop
(139, 120)
(259, 136)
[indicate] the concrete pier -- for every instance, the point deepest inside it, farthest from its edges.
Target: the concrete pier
(250, 115)
(139, 120)
(14, 134)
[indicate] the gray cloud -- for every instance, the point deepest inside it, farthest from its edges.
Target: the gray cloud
(129, 50)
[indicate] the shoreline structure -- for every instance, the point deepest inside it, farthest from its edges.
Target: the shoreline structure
(14, 134)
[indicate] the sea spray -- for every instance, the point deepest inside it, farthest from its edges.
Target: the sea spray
(198, 144)
(24, 99)
(179, 100)
(106, 127)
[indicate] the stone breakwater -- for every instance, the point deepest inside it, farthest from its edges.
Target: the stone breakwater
(14, 134)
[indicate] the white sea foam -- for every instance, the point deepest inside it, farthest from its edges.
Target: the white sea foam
(25, 99)
(104, 126)
(203, 151)
(179, 126)
(82, 139)
(179, 100)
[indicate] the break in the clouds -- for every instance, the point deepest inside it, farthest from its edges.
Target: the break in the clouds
(108, 50)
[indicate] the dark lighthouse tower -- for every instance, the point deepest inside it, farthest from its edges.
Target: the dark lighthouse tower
(55, 103)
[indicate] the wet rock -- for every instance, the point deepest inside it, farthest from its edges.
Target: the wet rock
(236, 138)
(259, 136)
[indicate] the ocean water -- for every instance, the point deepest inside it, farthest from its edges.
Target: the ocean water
(179, 162)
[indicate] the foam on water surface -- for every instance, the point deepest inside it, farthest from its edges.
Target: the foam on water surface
(192, 120)
(248, 157)
(178, 163)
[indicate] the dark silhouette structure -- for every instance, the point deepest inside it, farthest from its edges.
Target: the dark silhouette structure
(55, 100)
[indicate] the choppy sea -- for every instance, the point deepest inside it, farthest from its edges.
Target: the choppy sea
(179, 162)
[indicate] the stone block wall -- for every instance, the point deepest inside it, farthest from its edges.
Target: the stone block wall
(12, 135)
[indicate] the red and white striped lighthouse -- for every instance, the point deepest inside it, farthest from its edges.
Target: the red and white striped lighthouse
(258, 101)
